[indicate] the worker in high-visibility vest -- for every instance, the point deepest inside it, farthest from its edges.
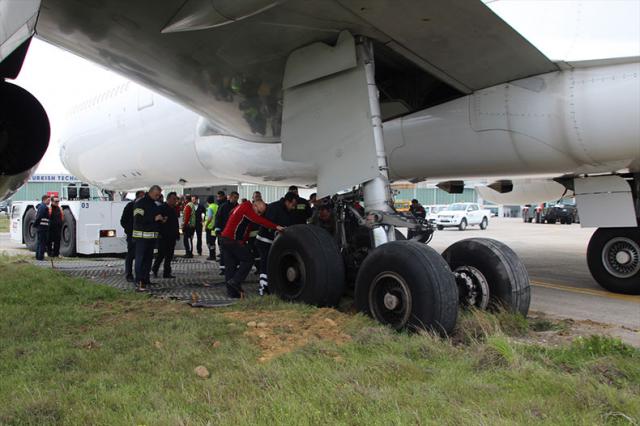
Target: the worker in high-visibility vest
(209, 225)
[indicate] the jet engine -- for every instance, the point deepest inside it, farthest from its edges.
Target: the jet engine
(24, 137)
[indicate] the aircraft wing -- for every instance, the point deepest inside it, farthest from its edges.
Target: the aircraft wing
(225, 59)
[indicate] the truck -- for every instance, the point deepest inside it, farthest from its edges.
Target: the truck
(89, 227)
(566, 214)
(461, 215)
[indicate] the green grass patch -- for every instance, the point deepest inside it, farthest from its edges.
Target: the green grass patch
(72, 352)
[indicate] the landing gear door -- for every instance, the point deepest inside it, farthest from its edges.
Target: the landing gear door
(326, 119)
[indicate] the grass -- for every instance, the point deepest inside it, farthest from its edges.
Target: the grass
(4, 223)
(72, 352)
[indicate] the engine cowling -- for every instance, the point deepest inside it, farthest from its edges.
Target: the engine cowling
(24, 137)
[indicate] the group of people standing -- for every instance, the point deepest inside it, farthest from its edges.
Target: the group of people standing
(244, 232)
(48, 224)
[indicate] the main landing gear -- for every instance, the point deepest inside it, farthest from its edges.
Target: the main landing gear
(404, 284)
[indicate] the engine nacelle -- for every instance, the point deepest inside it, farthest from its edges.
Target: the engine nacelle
(24, 137)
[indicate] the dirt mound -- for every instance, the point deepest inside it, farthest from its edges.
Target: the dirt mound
(282, 331)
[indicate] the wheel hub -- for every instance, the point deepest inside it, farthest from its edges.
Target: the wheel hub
(473, 287)
(292, 274)
(391, 302)
(621, 257)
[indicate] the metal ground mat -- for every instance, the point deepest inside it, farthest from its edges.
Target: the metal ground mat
(197, 281)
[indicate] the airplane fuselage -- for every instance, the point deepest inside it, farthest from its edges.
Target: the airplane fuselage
(581, 120)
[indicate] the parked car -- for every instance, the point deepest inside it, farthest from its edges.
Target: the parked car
(432, 212)
(566, 214)
(462, 215)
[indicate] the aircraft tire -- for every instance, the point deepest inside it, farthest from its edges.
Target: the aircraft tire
(500, 266)
(613, 257)
(305, 266)
(68, 235)
(29, 235)
(407, 285)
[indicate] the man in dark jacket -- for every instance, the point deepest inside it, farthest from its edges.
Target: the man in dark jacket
(418, 212)
(278, 212)
(42, 226)
(146, 222)
(126, 221)
(201, 212)
(169, 234)
(222, 216)
(56, 220)
(302, 213)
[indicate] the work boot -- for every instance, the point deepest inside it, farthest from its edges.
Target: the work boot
(264, 285)
(234, 290)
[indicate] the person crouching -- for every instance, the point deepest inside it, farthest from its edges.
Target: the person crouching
(237, 257)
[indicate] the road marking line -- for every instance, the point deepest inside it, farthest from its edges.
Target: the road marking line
(628, 298)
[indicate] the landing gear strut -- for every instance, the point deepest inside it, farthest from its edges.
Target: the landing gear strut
(404, 284)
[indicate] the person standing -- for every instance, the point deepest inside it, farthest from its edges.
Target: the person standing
(201, 211)
(224, 211)
(237, 257)
(126, 221)
(278, 212)
(418, 212)
(42, 226)
(56, 220)
(302, 213)
(146, 220)
(212, 210)
(188, 226)
(169, 234)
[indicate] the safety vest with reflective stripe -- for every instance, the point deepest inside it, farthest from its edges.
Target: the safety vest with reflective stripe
(212, 211)
(146, 235)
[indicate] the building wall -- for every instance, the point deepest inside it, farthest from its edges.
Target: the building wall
(434, 196)
(33, 191)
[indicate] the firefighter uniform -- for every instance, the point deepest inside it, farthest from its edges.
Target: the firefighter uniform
(302, 213)
(224, 211)
(126, 221)
(145, 234)
(169, 234)
(277, 213)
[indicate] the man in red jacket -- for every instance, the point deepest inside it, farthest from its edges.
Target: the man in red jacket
(237, 257)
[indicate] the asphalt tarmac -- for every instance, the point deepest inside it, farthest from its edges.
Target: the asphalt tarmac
(555, 257)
